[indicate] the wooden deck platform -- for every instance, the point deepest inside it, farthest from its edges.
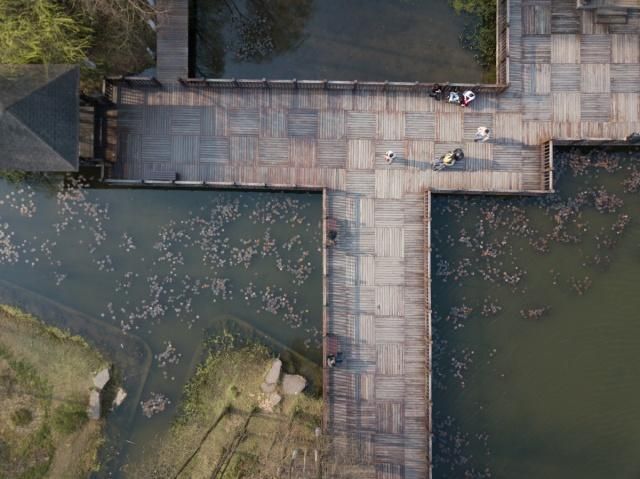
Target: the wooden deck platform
(570, 78)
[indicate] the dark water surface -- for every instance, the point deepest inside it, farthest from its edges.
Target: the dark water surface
(146, 262)
(395, 40)
(553, 397)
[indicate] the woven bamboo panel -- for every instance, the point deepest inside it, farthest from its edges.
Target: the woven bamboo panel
(595, 49)
(565, 77)
(536, 49)
(420, 125)
(565, 48)
(537, 78)
(625, 107)
(361, 155)
(595, 78)
(625, 49)
(536, 19)
(361, 124)
(214, 150)
(449, 126)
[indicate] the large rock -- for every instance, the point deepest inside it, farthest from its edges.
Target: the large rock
(93, 411)
(267, 388)
(272, 401)
(293, 384)
(101, 379)
(121, 395)
(274, 373)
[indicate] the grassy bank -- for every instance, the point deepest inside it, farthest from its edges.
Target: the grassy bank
(45, 377)
(222, 425)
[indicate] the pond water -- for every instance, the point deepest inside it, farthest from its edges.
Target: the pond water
(394, 40)
(537, 333)
(169, 268)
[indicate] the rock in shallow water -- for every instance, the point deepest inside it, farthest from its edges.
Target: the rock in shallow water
(121, 395)
(101, 379)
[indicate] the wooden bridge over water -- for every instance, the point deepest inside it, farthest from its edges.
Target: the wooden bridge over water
(563, 76)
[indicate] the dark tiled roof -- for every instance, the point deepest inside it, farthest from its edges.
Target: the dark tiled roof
(39, 117)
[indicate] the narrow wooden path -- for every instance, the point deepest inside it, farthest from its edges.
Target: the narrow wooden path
(570, 77)
(378, 415)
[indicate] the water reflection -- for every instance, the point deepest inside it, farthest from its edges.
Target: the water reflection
(167, 268)
(535, 324)
(331, 39)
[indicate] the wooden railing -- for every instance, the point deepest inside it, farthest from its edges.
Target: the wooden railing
(133, 81)
(325, 310)
(547, 166)
(427, 311)
(354, 85)
(502, 42)
(111, 85)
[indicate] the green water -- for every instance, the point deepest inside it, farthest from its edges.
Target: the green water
(553, 397)
(143, 262)
(394, 40)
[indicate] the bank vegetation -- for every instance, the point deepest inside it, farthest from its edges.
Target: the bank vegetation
(45, 379)
(106, 37)
(226, 429)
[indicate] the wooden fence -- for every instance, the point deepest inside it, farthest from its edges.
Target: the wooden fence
(427, 311)
(502, 42)
(354, 85)
(547, 166)
(133, 81)
(325, 310)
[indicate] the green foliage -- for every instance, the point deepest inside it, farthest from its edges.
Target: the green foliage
(13, 176)
(22, 416)
(25, 374)
(68, 417)
(40, 31)
(481, 37)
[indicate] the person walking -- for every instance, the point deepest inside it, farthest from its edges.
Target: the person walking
(389, 156)
(482, 134)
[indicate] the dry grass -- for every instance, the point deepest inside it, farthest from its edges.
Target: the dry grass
(42, 369)
(221, 416)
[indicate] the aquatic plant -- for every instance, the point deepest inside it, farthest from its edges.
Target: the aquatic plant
(480, 35)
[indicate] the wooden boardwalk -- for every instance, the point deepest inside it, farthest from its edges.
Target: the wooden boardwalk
(570, 77)
(377, 400)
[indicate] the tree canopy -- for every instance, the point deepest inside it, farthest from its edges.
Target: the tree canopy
(41, 31)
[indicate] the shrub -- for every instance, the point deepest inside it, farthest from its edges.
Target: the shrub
(482, 37)
(22, 416)
(68, 417)
(40, 31)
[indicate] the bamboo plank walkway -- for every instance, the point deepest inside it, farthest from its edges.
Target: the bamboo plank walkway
(377, 399)
(570, 79)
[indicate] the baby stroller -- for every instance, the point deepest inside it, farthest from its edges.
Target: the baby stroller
(448, 159)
